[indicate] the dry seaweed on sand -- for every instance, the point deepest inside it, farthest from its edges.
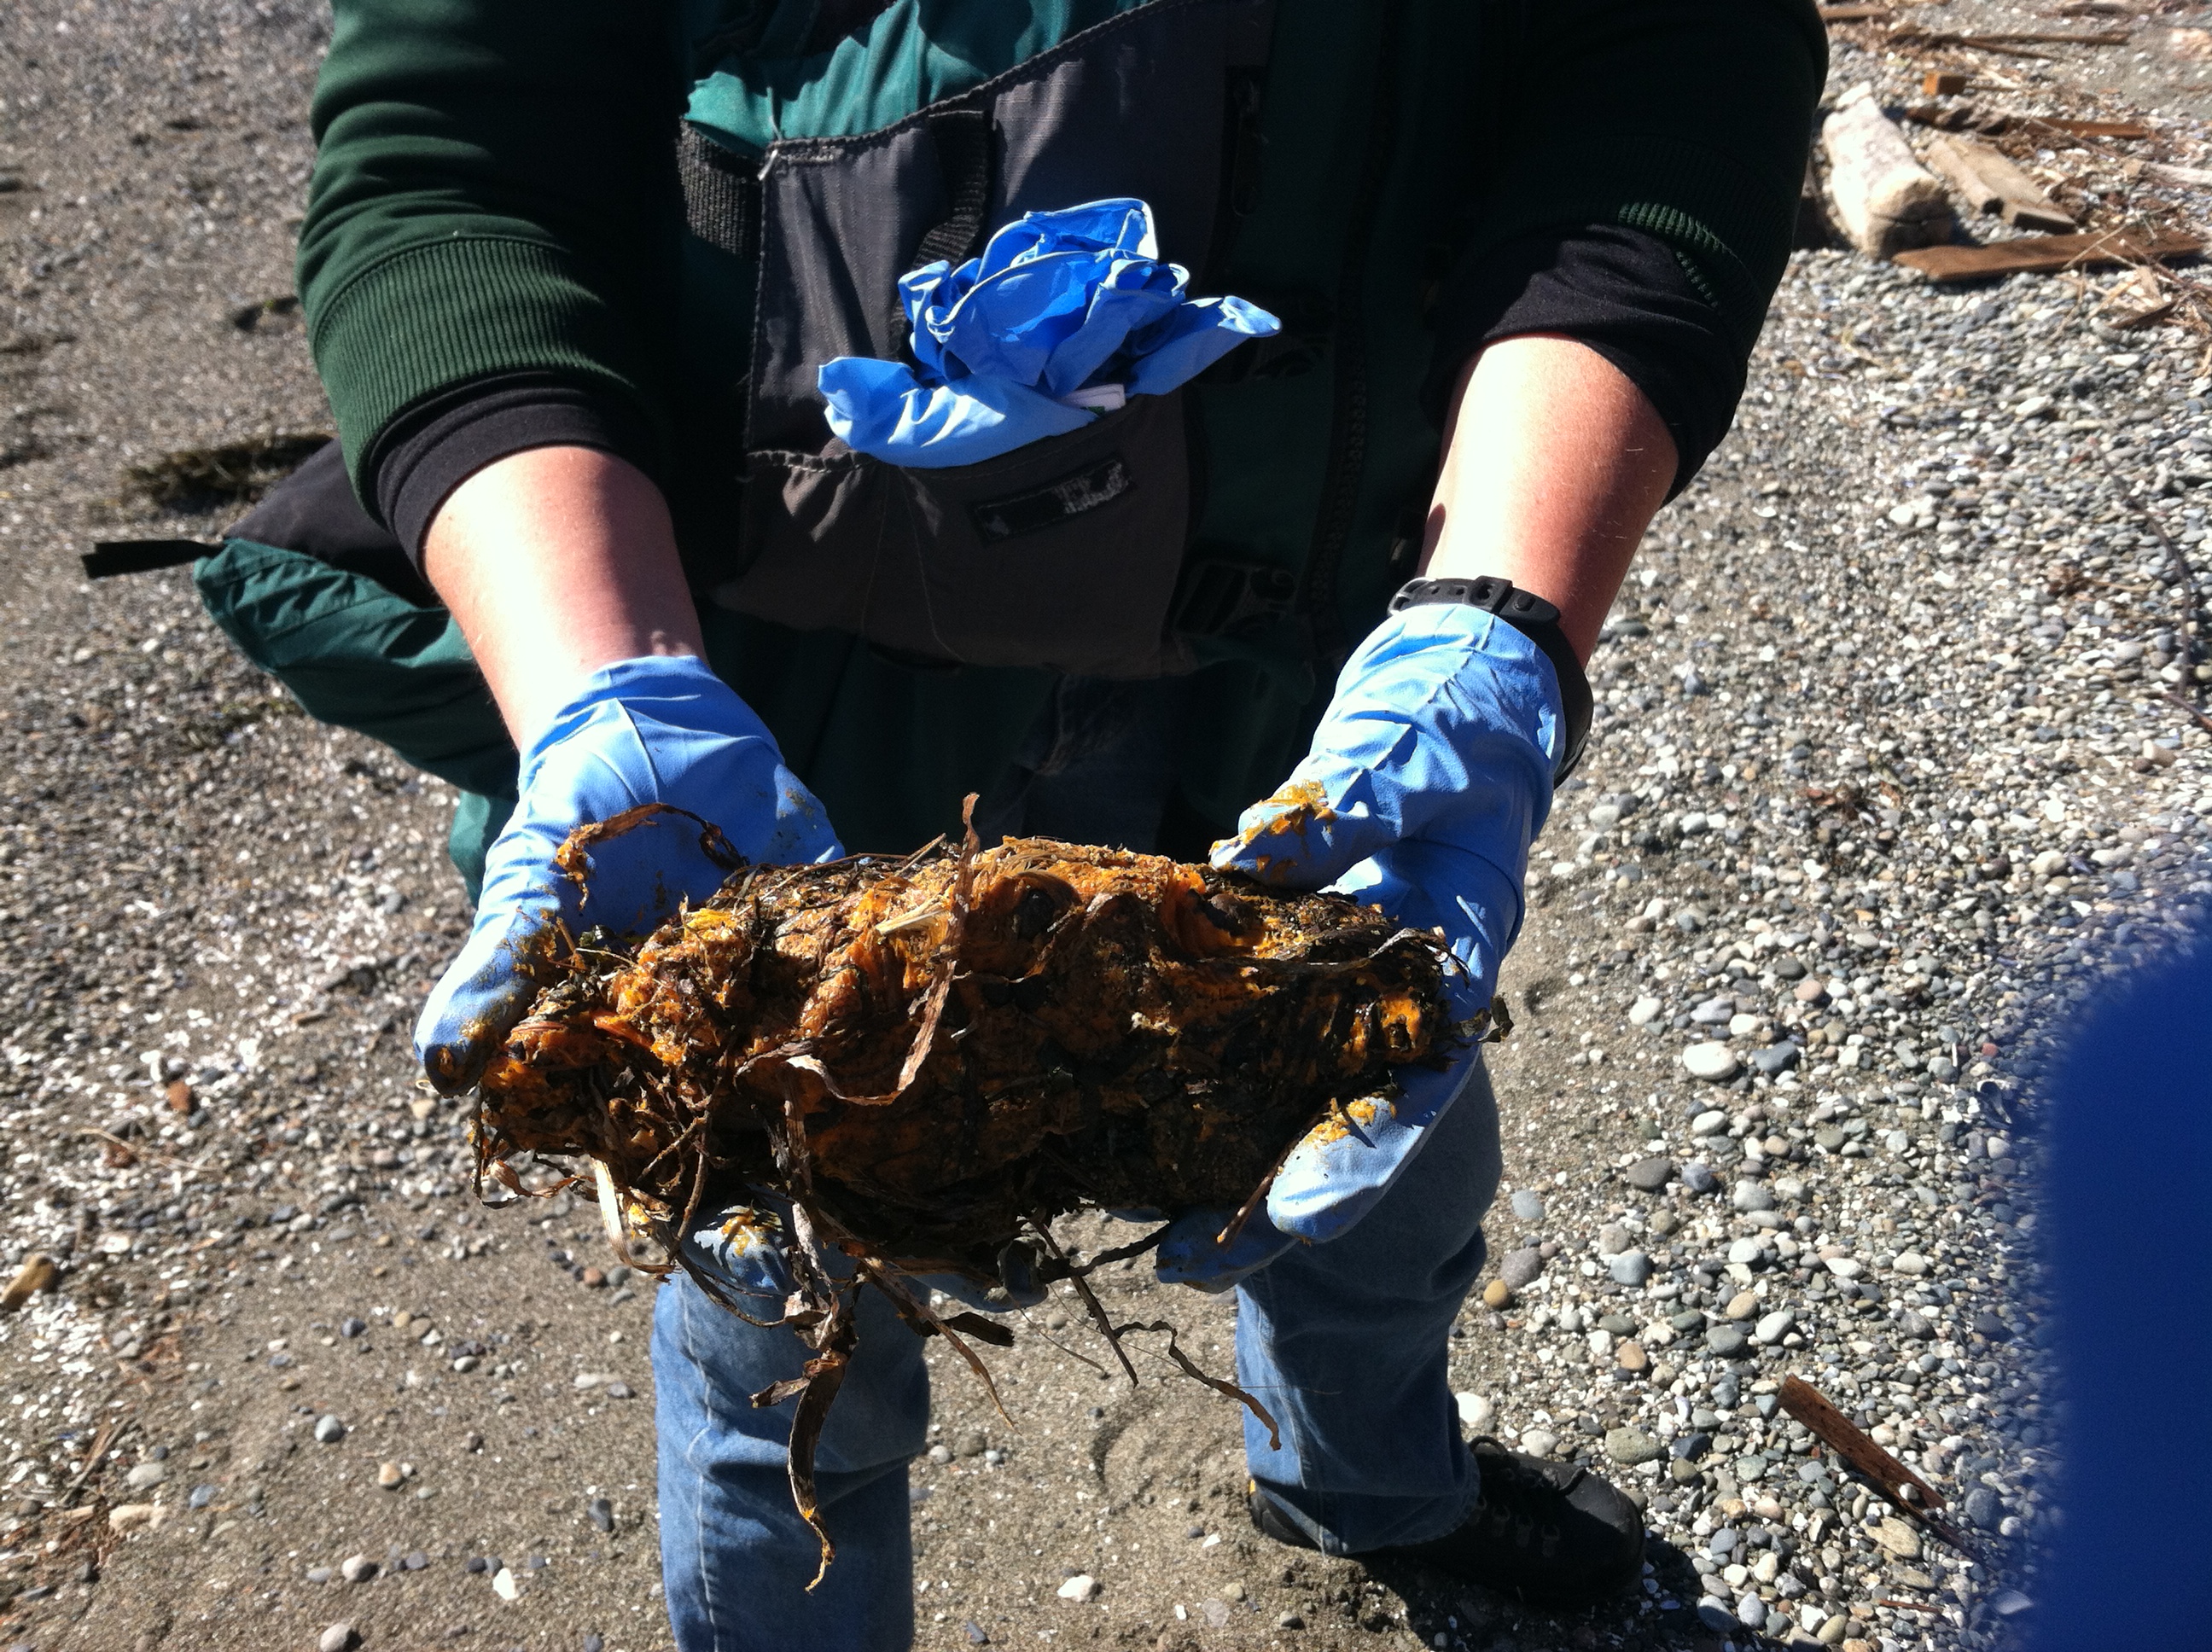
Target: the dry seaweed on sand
(196, 479)
(932, 1058)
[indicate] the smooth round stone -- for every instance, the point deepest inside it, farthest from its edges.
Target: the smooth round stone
(1699, 1178)
(1631, 1267)
(1688, 1448)
(1644, 1011)
(1748, 1469)
(1711, 1121)
(1612, 1239)
(1845, 1267)
(1477, 1411)
(1752, 1610)
(1726, 1340)
(1984, 1509)
(1496, 1296)
(1776, 1057)
(1712, 1062)
(1742, 1026)
(1912, 1262)
(1632, 1446)
(1742, 1305)
(337, 1639)
(328, 1429)
(1752, 1196)
(1527, 1204)
(1539, 1442)
(1521, 1268)
(1648, 1176)
(1746, 1250)
(1774, 1327)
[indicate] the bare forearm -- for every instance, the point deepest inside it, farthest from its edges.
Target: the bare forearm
(557, 562)
(1554, 464)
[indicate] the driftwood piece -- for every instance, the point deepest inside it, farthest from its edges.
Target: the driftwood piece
(1900, 1485)
(2046, 254)
(1886, 200)
(1988, 182)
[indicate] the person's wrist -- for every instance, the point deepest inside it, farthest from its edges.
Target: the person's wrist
(682, 677)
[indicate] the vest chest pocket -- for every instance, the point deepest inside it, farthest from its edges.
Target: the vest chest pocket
(1064, 553)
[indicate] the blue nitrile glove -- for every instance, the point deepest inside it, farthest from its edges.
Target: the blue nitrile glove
(1065, 314)
(656, 730)
(1429, 775)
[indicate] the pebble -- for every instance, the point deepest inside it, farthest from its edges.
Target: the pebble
(1521, 1268)
(1631, 1267)
(388, 1476)
(200, 1497)
(1845, 1268)
(1773, 1327)
(506, 1585)
(1496, 1296)
(328, 1429)
(1538, 1442)
(1629, 1357)
(1613, 1239)
(1742, 1305)
(1527, 1204)
(1630, 1447)
(1699, 1178)
(337, 1639)
(1648, 1176)
(1711, 1122)
(1752, 1196)
(1726, 1341)
(144, 1477)
(1984, 1509)
(1081, 1587)
(357, 1569)
(600, 1513)
(1476, 1412)
(1712, 1060)
(1644, 1011)
(1897, 1539)
(350, 1326)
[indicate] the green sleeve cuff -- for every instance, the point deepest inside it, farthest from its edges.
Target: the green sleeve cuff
(437, 314)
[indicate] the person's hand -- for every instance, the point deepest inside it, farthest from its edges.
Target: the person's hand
(662, 729)
(1429, 775)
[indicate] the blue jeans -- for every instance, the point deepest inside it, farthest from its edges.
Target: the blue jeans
(1345, 1343)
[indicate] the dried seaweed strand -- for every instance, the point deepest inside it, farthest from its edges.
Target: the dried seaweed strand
(1098, 1313)
(1220, 1385)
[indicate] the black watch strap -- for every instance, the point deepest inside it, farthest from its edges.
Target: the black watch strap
(1535, 619)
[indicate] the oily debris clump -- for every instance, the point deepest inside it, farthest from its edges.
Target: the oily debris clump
(940, 1053)
(929, 1059)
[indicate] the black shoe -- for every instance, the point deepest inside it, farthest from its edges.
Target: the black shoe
(1548, 1532)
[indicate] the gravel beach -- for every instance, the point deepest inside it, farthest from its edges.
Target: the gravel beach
(1899, 752)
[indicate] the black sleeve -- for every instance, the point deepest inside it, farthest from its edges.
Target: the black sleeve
(1627, 294)
(424, 454)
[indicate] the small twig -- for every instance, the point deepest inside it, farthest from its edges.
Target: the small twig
(100, 1442)
(2203, 721)
(1899, 1485)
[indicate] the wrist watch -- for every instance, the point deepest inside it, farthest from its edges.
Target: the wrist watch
(1535, 619)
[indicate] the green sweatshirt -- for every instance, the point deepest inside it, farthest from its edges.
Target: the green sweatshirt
(496, 191)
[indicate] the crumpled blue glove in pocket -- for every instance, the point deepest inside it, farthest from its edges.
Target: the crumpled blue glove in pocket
(656, 730)
(1429, 775)
(1064, 314)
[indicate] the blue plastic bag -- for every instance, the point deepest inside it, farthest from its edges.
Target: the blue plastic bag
(1065, 315)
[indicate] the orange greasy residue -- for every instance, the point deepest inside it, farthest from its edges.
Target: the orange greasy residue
(1363, 1112)
(746, 1228)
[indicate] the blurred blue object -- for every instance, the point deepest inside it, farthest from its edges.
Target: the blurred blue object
(2131, 1157)
(1065, 315)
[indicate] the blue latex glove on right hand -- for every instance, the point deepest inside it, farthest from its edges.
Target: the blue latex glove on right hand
(1431, 775)
(654, 730)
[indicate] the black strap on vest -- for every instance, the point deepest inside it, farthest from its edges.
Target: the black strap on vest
(110, 557)
(719, 191)
(964, 152)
